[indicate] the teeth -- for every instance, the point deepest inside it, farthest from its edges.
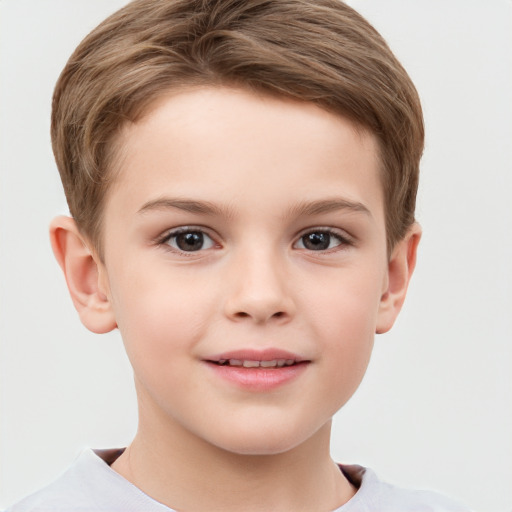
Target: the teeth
(279, 363)
(251, 364)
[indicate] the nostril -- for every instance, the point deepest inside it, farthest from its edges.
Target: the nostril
(276, 315)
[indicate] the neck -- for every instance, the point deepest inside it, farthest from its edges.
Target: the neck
(171, 464)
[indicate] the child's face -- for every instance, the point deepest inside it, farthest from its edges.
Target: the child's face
(245, 228)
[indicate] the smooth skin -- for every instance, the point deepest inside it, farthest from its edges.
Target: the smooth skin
(239, 221)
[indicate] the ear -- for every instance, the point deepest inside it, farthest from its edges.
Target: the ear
(400, 268)
(85, 275)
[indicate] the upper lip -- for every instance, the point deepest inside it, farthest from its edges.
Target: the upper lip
(268, 354)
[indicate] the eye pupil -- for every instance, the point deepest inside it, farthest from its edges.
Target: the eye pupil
(316, 241)
(190, 241)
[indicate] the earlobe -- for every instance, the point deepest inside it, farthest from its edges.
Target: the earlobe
(85, 275)
(400, 269)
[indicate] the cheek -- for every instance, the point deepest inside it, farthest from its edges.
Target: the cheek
(159, 316)
(344, 317)
(346, 349)
(345, 307)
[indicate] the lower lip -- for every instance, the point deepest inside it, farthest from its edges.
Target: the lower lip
(259, 379)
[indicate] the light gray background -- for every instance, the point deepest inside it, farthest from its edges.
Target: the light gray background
(435, 408)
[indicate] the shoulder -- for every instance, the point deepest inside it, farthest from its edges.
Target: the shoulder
(374, 494)
(65, 493)
(89, 485)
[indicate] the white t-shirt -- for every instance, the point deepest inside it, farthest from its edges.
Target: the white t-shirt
(90, 485)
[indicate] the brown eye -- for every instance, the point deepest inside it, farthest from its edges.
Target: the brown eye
(317, 241)
(321, 240)
(189, 241)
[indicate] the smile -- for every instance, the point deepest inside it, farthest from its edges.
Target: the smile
(258, 370)
(247, 363)
(256, 358)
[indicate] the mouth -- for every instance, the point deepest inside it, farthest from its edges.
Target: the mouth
(268, 359)
(255, 363)
(258, 370)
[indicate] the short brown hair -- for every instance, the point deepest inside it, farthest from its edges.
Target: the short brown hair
(319, 51)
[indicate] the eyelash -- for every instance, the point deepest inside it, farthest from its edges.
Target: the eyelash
(164, 240)
(343, 239)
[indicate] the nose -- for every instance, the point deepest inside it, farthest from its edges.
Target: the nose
(259, 289)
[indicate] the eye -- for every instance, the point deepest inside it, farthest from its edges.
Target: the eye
(321, 240)
(188, 240)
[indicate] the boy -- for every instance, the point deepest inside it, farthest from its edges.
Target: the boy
(242, 180)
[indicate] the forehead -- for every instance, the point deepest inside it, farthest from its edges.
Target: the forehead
(234, 145)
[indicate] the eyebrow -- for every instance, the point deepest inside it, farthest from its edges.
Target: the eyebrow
(187, 205)
(207, 208)
(329, 205)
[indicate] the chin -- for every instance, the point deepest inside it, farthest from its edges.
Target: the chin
(261, 448)
(264, 440)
